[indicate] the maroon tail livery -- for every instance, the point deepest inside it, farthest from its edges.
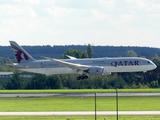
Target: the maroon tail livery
(20, 54)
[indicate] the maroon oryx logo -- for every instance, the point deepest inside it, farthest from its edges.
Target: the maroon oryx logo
(19, 54)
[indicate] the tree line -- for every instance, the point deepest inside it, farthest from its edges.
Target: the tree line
(56, 51)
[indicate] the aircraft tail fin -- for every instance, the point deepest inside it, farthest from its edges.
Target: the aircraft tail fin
(20, 54)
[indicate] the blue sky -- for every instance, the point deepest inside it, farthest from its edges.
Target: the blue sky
(80, 22)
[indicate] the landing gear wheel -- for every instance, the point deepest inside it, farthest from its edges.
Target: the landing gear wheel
(82, 77)
(85, 77)
(78, 78)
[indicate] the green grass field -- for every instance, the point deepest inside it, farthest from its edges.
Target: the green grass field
(82, 91)
(83, 118)
(79, 104)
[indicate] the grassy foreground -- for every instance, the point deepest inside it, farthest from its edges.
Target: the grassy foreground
(79, 104)
(82, 91)
(84, 118)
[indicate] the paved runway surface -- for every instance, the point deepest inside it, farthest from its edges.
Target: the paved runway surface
(84, 113)
(78, 94)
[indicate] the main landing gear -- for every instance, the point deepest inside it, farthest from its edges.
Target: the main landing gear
(82, 77)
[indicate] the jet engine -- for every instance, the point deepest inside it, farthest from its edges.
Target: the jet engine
(95, 70)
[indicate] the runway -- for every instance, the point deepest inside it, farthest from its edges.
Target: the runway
(83, 113)
(78, 94)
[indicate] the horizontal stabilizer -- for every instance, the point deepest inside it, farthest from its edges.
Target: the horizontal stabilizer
(15, 65)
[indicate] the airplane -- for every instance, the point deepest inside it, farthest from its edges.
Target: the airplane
(83, 67)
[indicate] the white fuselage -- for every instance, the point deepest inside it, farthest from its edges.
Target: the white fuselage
(110, 65)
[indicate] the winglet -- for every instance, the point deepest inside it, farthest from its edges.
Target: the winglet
(20, 54)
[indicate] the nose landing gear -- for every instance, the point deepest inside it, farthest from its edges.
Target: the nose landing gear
(82, 77)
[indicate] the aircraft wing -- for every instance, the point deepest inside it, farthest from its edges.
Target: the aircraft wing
(77, 67)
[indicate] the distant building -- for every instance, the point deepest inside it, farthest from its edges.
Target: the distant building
(10, 74)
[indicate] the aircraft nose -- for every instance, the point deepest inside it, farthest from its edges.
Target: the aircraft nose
(154, 66)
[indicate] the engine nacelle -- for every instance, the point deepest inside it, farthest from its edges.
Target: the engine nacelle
(95, 70)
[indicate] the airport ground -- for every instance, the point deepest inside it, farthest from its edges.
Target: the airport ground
(80, 103)
(82, 91)
(80, 118)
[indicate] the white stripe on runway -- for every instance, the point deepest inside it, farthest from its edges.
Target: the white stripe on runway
(83, 113)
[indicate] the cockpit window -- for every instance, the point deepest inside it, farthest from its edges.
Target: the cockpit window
(149, 62)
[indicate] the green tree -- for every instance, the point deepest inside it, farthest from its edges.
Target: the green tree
(75, 53)
(131, 53)
(154, 84)
(134, 86)
(140, 86)
(89, 51)
(4, 61)
(54, 82)
(39, 81)
(153, 74)
(17, 82)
